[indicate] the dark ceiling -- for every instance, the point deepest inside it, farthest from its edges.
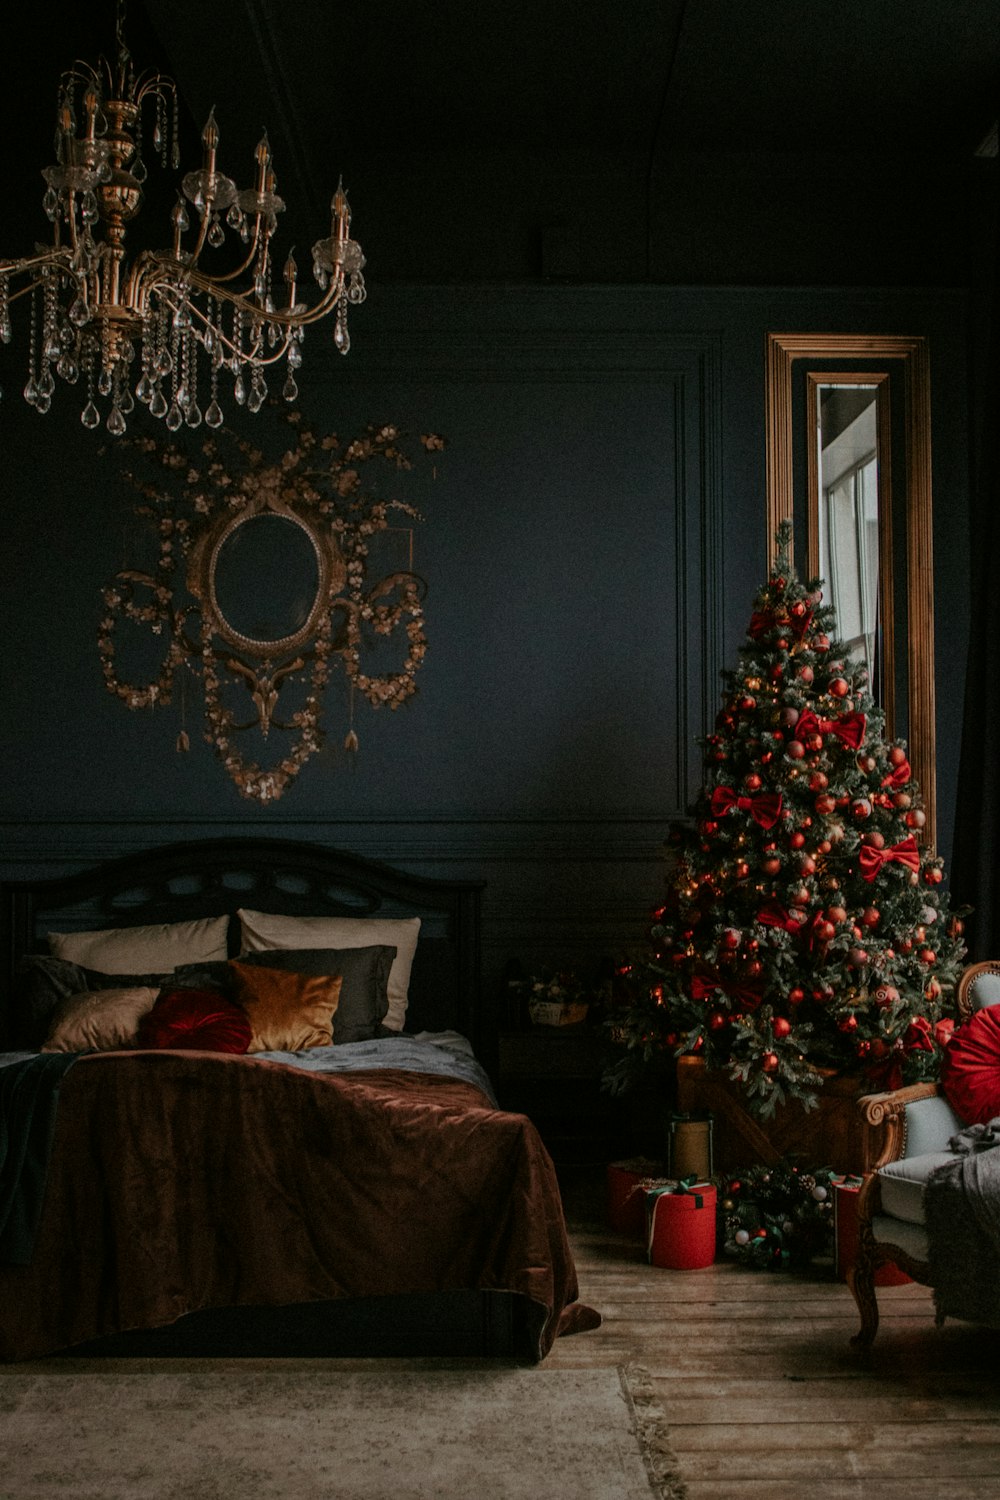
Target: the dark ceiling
(424, 103)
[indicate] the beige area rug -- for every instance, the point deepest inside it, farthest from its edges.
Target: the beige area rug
(228, 1430)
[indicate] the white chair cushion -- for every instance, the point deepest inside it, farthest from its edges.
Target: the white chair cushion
(912, 1238)
(903, 1184)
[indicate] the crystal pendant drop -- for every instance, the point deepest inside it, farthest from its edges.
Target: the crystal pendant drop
(216, 234)
(50, 203)
(294, 355)
(158, 405)
(193, 415)
(68, 369)
(255, 400)
(144, 390)
(31, 391)
(90, 416)
(104, 382)
(42, 403)
(174, 418)
(290, 390)
(125, 401)
(116, 422)
(79, 313)
(46, 385)
(213, 415)
(239, 391)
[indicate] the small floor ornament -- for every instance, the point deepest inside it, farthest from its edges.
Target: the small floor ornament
(264, 579)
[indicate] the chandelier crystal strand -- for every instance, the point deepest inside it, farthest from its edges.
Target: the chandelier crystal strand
(104, 309)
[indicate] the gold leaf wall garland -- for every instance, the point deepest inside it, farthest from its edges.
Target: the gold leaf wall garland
(195, 507)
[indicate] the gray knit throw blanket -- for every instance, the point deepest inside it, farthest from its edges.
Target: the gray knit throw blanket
(962, 1209)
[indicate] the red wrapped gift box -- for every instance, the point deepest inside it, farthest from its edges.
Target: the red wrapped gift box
(681, 1226)
(626, 1198)
(845, 1235)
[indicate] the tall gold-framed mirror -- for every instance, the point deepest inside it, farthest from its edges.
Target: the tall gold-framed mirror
(849, 464)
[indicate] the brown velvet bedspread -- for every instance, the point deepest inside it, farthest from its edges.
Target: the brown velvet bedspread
(182, 1180)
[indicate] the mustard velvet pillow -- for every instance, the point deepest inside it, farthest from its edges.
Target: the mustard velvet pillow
(287, 1012)
(104, 1020)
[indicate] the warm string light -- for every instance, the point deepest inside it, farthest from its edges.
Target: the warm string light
(143, 329)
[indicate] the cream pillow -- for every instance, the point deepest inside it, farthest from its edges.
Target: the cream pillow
(262, 930)
(157, 949)
(101, 1019)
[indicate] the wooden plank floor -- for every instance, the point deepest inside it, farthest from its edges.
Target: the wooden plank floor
(764, 1394)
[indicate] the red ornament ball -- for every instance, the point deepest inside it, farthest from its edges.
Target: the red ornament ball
(818, 781)
(861, 808)
(795, 749)
(821, 642)
(781, 1026)
(897, 755)
(839, 687)
(796, 995)
(769, 1062)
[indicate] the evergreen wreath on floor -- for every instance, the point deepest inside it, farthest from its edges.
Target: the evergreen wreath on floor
(805, 928)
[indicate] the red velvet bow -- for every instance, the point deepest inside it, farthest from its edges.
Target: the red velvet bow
(899, 775)
(850, 728)
(904, 853)
(917, 1037)
(763, 807)
(705, 982)
(763, 619)
(773, 914)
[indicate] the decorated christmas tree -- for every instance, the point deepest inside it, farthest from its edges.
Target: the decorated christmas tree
(805, 928)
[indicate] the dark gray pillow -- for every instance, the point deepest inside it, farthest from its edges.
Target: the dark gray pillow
(364, 973)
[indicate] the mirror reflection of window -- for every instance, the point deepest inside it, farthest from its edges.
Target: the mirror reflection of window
(849, 515)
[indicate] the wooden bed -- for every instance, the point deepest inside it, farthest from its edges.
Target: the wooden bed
(449, 1309)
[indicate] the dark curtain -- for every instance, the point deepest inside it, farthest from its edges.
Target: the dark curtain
(975, 875)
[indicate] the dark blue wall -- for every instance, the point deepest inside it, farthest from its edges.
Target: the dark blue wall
(591, 545)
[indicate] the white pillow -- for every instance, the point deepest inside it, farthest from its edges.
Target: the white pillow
(262, 930)
(157, 949)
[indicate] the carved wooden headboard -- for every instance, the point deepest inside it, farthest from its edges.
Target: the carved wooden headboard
(214, 877)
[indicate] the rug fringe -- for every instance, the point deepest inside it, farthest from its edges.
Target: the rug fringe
(650, 1427)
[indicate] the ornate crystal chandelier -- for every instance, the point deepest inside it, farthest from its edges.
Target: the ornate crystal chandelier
(162, 328)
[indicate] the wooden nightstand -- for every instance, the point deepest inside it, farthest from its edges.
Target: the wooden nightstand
(553, 1074)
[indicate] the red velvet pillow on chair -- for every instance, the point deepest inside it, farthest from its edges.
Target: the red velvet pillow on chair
(203, 1020)
(970, 1069)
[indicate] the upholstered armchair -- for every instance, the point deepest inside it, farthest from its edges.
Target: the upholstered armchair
(913, 1127)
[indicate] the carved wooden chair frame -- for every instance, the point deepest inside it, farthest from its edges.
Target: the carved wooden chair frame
(886, 1114)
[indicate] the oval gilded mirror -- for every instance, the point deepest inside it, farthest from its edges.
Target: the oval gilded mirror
(264, 579)
(832, 429)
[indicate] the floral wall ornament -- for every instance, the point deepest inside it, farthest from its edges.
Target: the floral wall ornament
(263, 581)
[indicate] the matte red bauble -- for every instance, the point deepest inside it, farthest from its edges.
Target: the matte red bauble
(871, 916)
(825, 931)
(795, 749)
(902, 799)
(825, 804)
(752, 782)
(796, 996)
(788, 716)
(875, 840)
(839, 687)
(771, 866)
(897, 755)
(916, 818)
(781, 1026)
(818, 782)
(805, 674)
(837, 913)
(769, 1062)
(797, 839)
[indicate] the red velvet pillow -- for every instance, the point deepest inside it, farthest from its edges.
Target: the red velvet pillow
(970, 1068)
(203, 1020)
